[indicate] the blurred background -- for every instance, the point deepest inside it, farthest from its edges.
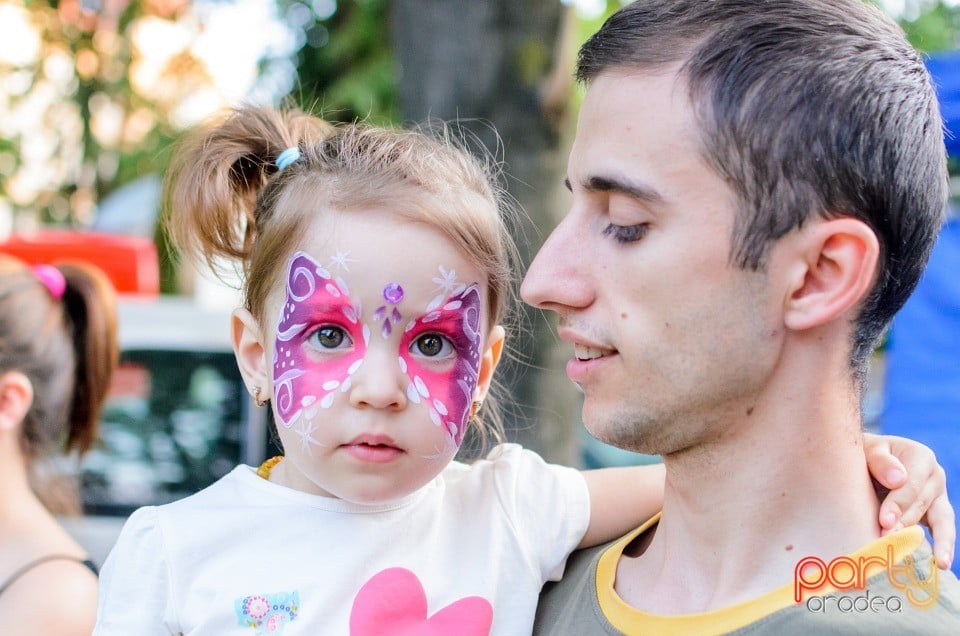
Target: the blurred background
(93, 92)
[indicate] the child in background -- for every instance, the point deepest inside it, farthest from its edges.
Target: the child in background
(377, 272)
(58, 349)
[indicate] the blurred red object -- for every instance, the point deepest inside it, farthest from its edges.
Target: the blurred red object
(130, 262)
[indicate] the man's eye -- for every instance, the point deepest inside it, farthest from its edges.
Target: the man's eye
(331, 337)
(626, 233)
(432, 345)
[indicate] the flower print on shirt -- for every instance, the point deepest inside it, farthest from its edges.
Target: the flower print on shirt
(267, 614)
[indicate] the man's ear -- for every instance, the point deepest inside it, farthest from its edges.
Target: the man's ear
(489, 362)
(250, 352)
(16, 398)
(834, 273)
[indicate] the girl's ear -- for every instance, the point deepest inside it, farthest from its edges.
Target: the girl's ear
(836, 270)
(489, 362)
(16, 397)
(250, 352)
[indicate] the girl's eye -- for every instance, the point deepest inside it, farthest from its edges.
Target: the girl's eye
(626, 233)
(331, 337)
(432, 345)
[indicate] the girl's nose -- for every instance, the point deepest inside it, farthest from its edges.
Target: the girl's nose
(379, 383)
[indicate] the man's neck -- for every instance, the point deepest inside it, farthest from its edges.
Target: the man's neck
(739, 512)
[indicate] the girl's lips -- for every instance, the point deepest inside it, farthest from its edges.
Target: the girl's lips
(372, 449)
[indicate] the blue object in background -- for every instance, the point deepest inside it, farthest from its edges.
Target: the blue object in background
(944, 67)
(922, 387)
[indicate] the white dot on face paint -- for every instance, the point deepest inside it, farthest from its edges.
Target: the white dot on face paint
(308, 400)
(353, 367)
(403, 364)
(327, 401)
(440, 406)
(421, 387)
(332, 290)
(435, 418)
(366, 334)
(345, 386)
(412, 394)
(330, 385)
(456, 304)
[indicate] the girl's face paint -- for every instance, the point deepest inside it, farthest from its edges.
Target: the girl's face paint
(320, 340)
(386, 315)
(364, 415)
(440, 353)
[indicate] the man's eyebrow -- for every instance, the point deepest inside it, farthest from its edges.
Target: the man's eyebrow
(618, 186)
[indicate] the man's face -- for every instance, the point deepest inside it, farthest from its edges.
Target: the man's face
(670, 339)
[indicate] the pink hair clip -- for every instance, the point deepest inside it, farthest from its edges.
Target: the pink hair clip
(52, 278)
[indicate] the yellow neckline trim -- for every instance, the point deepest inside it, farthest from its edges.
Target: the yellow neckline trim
(633, 621)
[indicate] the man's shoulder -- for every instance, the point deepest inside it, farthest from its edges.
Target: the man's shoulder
(570, 605)
(912, 597)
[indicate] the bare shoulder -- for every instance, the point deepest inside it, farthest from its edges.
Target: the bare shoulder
(55, 598)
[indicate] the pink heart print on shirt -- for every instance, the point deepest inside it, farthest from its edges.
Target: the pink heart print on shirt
(314, 298)
(393, 603)
(447, 395)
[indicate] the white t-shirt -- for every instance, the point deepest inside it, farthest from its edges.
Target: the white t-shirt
(246, 556)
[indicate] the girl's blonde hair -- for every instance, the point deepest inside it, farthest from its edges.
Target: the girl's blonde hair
(226, 198)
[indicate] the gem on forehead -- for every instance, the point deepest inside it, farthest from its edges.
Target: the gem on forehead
(393, 293)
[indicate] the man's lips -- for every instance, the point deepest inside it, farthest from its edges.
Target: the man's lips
(584, 352)
(588, 356)
(584, 348)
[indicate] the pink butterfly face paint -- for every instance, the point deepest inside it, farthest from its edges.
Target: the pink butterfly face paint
(446, 390)
(320, 340)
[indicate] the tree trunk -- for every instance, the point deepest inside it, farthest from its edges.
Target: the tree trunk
(496, 63)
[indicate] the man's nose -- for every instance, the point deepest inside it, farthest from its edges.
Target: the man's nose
(558, 277)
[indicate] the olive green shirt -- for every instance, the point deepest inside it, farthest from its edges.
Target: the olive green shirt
(898, 598)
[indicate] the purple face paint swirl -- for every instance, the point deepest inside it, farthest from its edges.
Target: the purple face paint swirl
(302, 374)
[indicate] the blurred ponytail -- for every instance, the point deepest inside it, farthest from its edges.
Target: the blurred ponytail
(90, 306)
(67, 348)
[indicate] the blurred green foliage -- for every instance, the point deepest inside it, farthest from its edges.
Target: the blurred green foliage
(936, 27)
(344, 65)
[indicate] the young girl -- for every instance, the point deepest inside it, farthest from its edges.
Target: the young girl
(57, 351)
(377, 270)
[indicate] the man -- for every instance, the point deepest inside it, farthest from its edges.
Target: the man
(756, 188)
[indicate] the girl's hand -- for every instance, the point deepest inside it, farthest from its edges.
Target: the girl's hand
(917, 490)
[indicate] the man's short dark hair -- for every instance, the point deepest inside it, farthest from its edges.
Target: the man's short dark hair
(807, 107)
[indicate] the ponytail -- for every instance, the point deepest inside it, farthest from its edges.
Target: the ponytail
(219, 171)
(61, 333)
(90, 306)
